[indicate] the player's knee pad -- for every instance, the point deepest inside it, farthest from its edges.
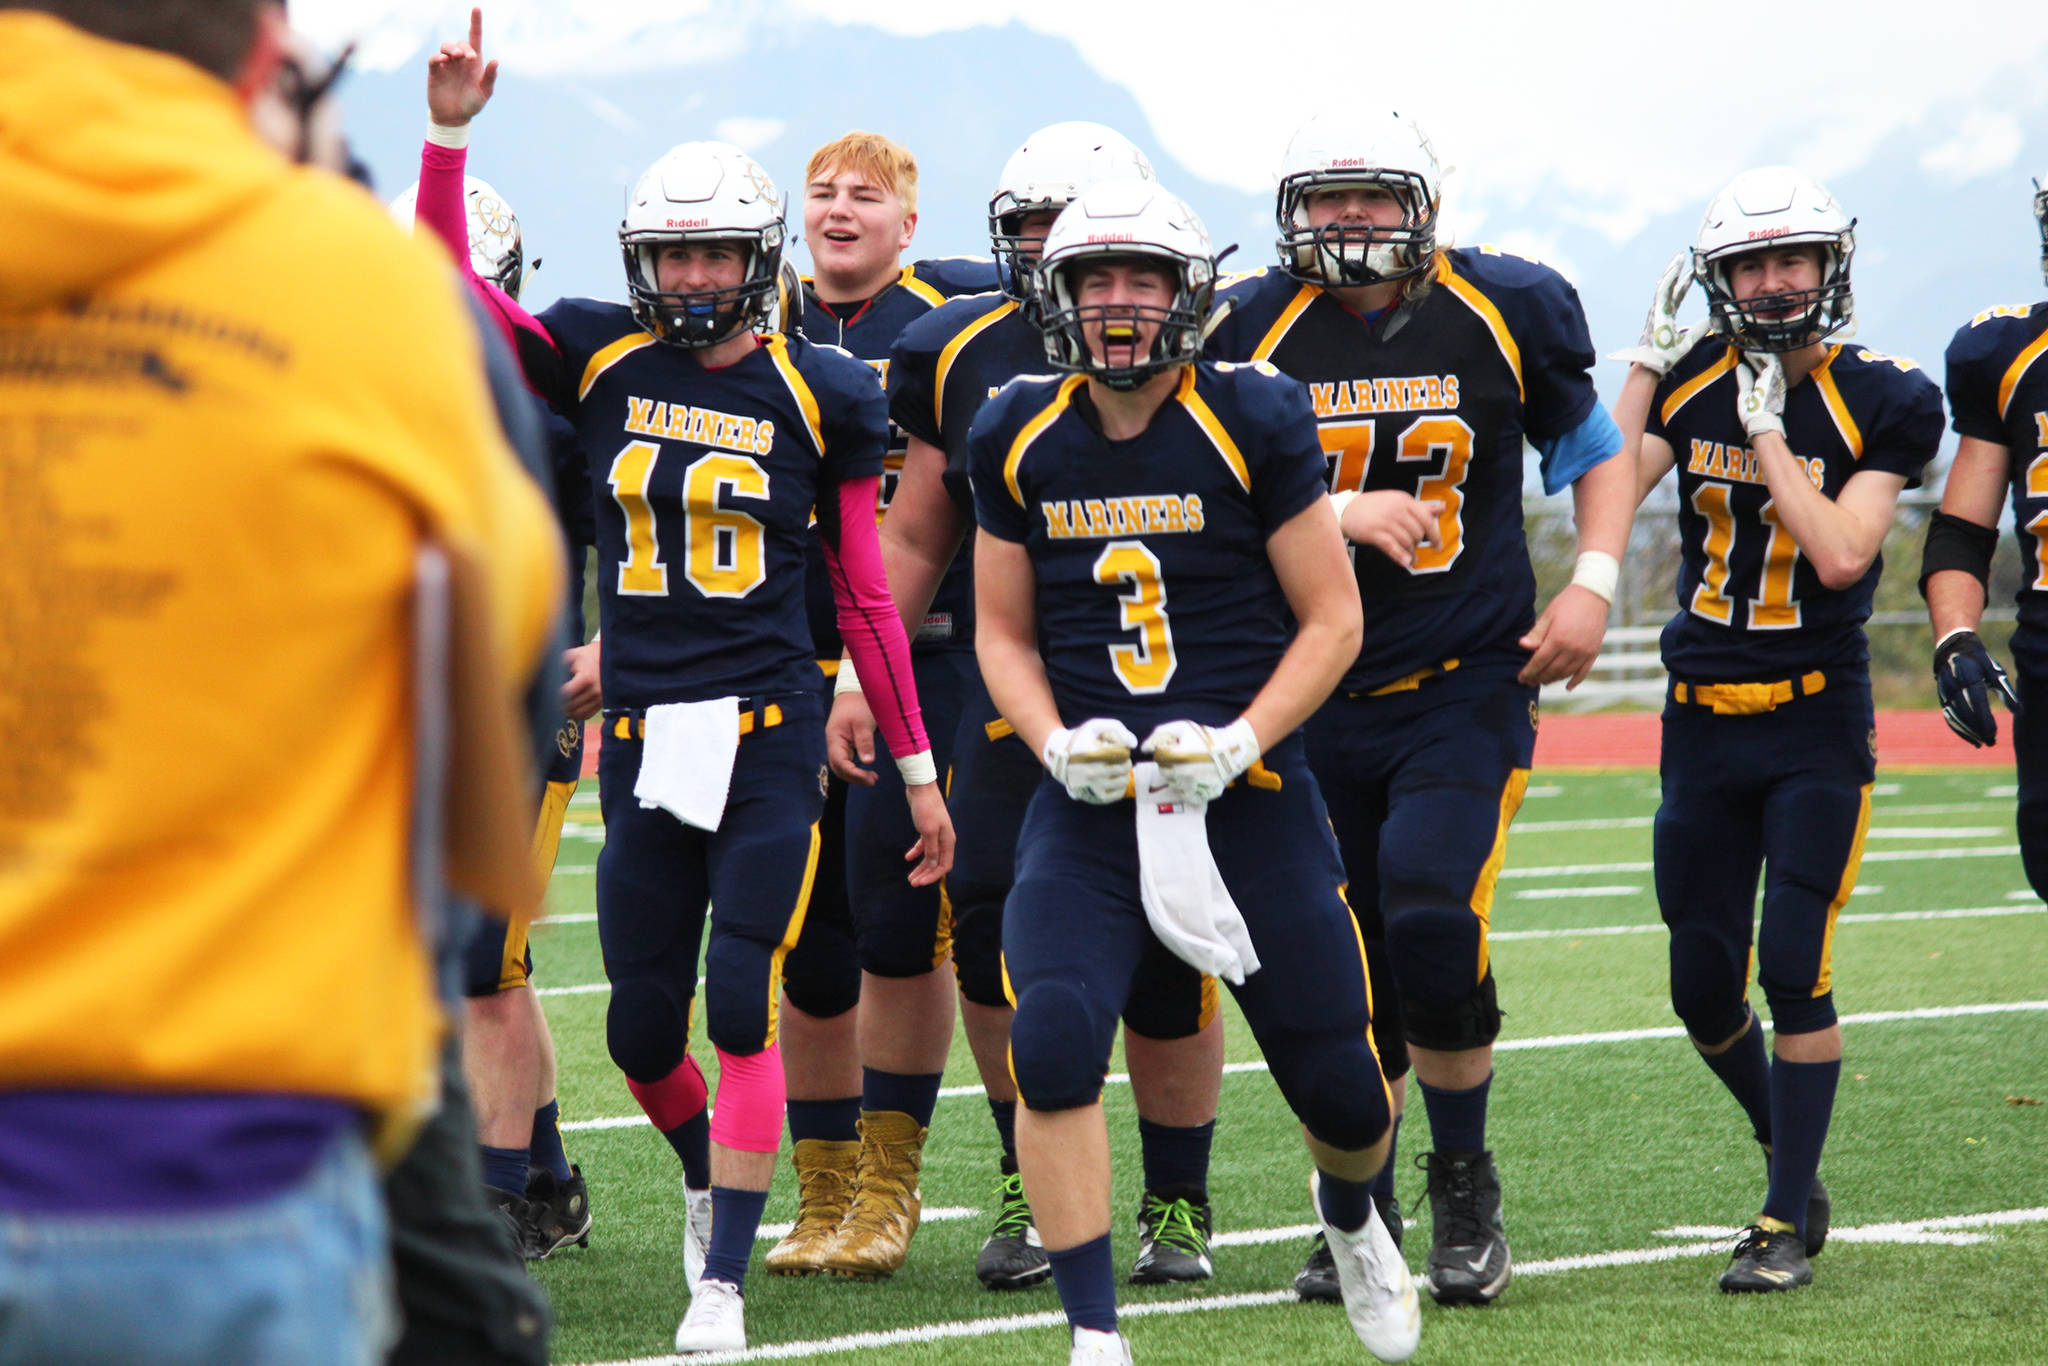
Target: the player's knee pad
(1059, 1046)
(1179, 1008)
(1708, 990)
(1473, 1022)
(645, 1031)
(820, 974)
(1799, 1012)
(1434, 948)
(2032, 823)
(1334, 1086)
(739, 993)
(978, 943)
(903, 936)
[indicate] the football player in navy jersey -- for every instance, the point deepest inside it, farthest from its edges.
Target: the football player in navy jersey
(1428, 368)
(863, 1082)
(1158, 559)
(709, 445)
(941, 371)
(1998, 393)
(1791, 450)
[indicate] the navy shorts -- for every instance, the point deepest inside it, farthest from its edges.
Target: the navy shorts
(500, 956)
(1422, 783)
(1784, 793)
(900, 930)
(1075, 923)
(657, 877)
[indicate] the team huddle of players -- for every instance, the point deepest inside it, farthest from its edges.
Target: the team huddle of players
(1115, 545)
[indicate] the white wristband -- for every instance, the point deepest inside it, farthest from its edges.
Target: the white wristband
(846, 680)
(448, 135)
(1599, 573)
(1340, 501)
(918, 769)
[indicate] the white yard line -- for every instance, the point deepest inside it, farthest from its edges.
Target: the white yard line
(1573, 893)
(1853, 918)
(1911, 1231)
(1502, 1046)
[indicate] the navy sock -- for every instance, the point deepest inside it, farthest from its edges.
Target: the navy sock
(1383, 1184)
(504, 1168)
(1175, 1157)
(1802, 1102)
(911, 1093)
(547, 1141)
(1746, 1073)
(1346, 1204)
(1457, 1119)
(1005, 1115)
(735, 1219)
(1087, 1284)
(692, 1141)
(836, 1121)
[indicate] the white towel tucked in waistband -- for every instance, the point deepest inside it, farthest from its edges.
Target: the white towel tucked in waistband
(686, 761)
(1186, 902)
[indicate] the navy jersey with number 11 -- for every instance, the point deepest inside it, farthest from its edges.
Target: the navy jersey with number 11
(703, 483)
(1156, 600)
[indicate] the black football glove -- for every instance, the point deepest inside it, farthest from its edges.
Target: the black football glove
(1964, 674)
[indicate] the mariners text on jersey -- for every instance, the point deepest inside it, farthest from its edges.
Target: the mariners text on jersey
(1152, 623)
(1435, 400)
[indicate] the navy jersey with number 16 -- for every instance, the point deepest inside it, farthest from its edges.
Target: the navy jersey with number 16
(703, 483)
(1155, 596)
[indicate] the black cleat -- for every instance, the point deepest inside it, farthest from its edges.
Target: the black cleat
(518, 1218)
(1012, 1258)
(1317, 1279)
(1173, 1238)
(1468, 1258)
(560, 1210)
(1766, 1260)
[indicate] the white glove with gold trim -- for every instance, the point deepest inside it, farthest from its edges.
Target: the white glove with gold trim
(1200, 762)
(1760, 393)
(1664, 343)
(1092, 761)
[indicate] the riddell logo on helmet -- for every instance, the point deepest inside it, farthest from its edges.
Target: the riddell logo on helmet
(1111, 237)
(1779, 231)
(1349, 161)
(689, 222)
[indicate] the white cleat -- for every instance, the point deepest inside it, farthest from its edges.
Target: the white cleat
(696, 1234)
(1379, 1294)
(717, 1321)
(1093, 1347)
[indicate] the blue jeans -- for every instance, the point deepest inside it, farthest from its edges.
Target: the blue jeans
(300, 1279)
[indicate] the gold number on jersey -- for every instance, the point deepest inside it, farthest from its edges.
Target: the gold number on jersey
(1710, 599)
(1146, 666)
(1773, 609)
(1426, 439)
(643, 574)
(2037, 526)
(725, 549)
(1349, 447)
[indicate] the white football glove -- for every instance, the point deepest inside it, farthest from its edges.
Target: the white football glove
(1199, 762)
(1760, 393)
(1664, 343)
(1092, 761)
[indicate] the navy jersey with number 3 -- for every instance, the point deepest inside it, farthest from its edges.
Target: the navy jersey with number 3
(1751, 607)
(1998, 392)
(1435, 400)
(703, 483)
(1155, 596)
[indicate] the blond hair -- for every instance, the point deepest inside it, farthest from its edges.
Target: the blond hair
(887, 165)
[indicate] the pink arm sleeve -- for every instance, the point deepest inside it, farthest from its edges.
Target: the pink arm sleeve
(442, 208)
(868, 621)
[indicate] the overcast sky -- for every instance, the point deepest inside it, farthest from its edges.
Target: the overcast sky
(1634, 109)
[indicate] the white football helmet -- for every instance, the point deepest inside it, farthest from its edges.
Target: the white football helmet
(495, 250)
(1049, 171)
(1125, 218)
(2041, 217)
(1776, 206)
(701, 192)
(1347, 147)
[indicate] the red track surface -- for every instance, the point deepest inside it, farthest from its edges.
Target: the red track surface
(1629, 740)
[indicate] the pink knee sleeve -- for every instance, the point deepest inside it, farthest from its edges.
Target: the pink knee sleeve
(676, 1099)
(751, 1091)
